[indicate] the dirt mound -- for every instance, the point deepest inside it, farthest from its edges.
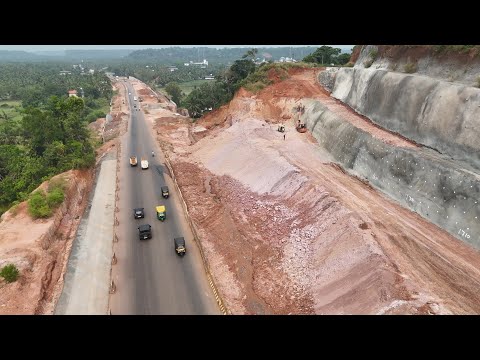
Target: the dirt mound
(144, 91)
(40, 248)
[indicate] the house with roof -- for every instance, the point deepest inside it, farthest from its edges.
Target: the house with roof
(72, 93)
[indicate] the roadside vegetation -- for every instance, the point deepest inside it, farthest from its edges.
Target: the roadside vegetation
(43, 131)
(41, 204)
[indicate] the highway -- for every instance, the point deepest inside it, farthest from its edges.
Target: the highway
(150, 277)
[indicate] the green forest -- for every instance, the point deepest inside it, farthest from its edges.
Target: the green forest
(43, 132)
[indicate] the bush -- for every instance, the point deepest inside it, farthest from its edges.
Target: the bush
(478, 82)
(373, 54)
(410, 68)
(9, 273)
(38, 206)
(55, 198)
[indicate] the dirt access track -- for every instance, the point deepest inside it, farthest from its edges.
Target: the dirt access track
(286, 231)
(40, 248)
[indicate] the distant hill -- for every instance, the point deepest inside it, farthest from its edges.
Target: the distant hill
(96, 54)
(178, 55)
(64, 55)
(9, 55)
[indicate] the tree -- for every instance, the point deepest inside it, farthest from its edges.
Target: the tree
(323, 55)
(174, 91)
(252, 53)
(343, 59)
(237, 72)
(207, 96)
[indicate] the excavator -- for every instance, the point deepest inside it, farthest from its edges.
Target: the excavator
(301, 128)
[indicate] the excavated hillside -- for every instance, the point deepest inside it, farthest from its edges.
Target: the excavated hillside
(287, 223)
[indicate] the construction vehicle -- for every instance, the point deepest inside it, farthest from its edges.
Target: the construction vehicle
(144, 163)
(301, 128)
(133, 161)
(281, 128)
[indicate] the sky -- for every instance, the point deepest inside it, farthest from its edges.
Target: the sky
(136, 47)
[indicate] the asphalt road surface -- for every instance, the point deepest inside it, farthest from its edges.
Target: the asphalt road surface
(150, 277)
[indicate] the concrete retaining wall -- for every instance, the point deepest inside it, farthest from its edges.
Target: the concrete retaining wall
(439, 189)
(438, 114)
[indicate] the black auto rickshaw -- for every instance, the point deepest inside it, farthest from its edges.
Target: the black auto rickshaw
(165, 191)
(180, 246)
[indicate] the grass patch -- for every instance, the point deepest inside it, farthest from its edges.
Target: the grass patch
(410, 68)
(41, 204)
(10, 110)
(189, 86)
(9, 273)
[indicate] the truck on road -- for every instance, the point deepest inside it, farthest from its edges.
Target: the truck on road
(134, 98)
(145, 232)
(144, 164)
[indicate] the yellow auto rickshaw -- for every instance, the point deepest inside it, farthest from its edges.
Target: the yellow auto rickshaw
(161, 213)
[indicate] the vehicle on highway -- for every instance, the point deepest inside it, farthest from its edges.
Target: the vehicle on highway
(145, 232)
(165, 193)
(138, 213)
(129, 93)
(144, 163)
(161, 212)
(180, 248)
(133, 161)
(153, 154)
(134, 98)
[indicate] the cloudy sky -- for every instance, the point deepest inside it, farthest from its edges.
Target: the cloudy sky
(135, 47)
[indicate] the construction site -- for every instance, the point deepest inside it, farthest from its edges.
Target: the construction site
(345, 190)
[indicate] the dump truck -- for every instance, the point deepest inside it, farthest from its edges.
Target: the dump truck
(133, 161)
(144, 164)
